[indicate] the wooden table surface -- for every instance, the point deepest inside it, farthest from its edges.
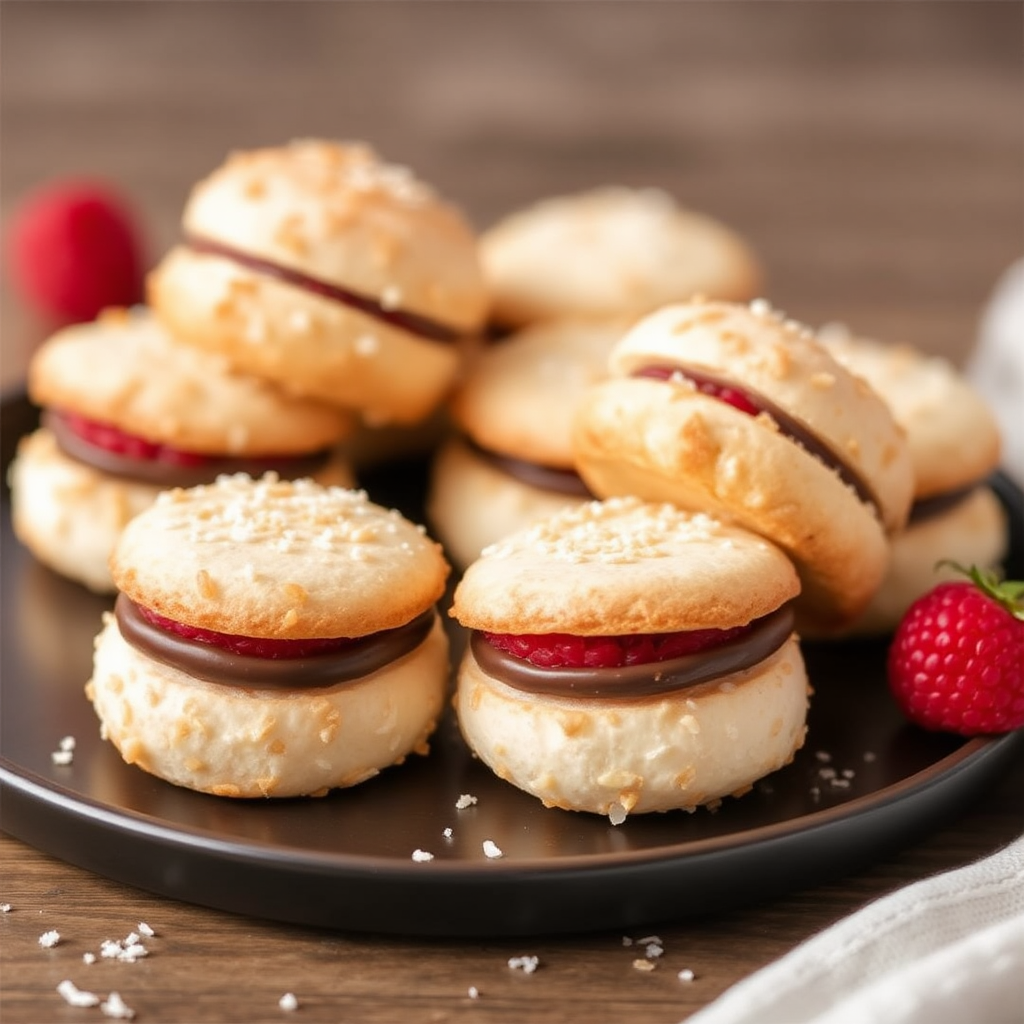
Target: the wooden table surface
(871, 153)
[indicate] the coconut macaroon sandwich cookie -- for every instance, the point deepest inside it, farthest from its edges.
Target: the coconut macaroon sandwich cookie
(735, 410)
(127, 412)
(510, 460)
(955, 447)
(608, 252)
(271, 638)
(332, 273)
(628, 657)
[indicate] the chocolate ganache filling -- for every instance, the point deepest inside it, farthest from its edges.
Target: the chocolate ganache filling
(406, 320)
(544, 478)
(628, 682)
(788, 426)
(352, 661)
(164, 472)
(939, 504)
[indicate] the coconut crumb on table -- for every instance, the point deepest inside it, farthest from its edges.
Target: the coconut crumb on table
(492, 850)
(49, 939)
(421, 856)
(74, 996)
(686, 974)
(288, 1001)
(464, 801)
(473, 992)
(128, 950)
(5, 908)
(526, 964)
(116, 1007)
(644, 964)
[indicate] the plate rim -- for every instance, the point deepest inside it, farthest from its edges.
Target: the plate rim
(39, 802)
(971, 755)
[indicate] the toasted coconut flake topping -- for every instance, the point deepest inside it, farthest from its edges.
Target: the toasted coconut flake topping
(288, 516)
(617, 530)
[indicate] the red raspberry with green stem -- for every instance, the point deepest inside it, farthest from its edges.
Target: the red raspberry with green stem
(956, 662)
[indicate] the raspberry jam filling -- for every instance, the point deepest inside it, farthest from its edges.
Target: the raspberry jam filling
(250, 646)
(414, 323)
(118, 453)
(113, 439)
(236, 660)
(628, 667)
(754, 405)
(564, 650)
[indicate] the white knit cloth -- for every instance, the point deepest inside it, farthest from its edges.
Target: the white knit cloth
(946, 950)
(996, 366)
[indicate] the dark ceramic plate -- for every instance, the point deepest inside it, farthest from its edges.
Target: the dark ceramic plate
(345, 861)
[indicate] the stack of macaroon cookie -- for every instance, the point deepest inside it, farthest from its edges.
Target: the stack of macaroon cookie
(567, 276)
(271, 638)
(330, 272)
(653, 482)
(275, 632)
(640, 651)
(316, 288)
(127, 412)
(754, 482)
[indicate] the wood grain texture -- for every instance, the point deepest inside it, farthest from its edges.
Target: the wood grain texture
(872, 154)
(205, 966)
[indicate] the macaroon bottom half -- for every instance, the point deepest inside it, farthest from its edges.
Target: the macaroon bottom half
(681, 750)
(235, 741)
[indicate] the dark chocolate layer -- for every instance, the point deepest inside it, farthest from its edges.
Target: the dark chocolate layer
(790, 427)
(629, 682)
(164, 473)
(354, 661)
(544, 478)
(937, 505)
(414, 323)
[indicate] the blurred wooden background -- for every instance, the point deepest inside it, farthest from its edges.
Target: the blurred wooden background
(871, 152)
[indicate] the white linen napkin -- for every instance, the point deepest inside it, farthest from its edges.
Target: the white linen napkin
(996, 365)
(945, 950)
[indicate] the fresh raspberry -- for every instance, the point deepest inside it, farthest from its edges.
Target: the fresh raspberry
(565, 650)
(251, 646)
(74, 249)
(956, 663)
